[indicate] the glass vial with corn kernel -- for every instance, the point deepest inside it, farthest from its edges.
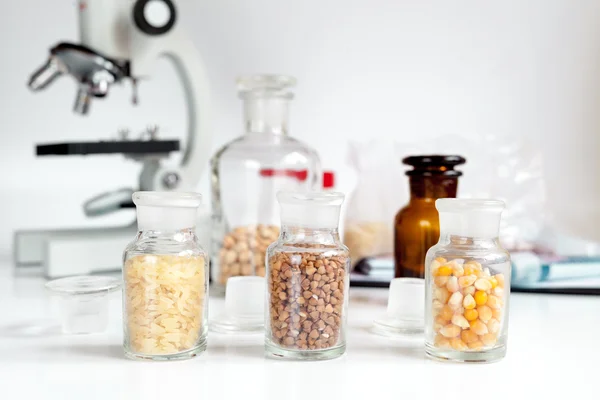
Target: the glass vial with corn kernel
(165, 273)
(467, 281)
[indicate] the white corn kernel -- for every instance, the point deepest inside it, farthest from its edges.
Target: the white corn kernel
(460, 321)
(450, 331)
(455, 300)
(452, 284)
(483, 284)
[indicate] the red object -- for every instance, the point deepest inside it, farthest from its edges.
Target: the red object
(82, 6)
(301, 175)
(328, 180)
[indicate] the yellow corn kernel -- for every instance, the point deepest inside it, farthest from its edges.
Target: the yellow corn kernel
(446, 313)
(441, 260)
(480, 297)
(458, 344)
(469, 290)
(440, 321)
(444, 270)
(494, 302)
(451, 331)
(466, 280)
(469, 302)
(494, 282)
(493, 325)
(468, 336)
(482, 284)
(471, 315)
(452, 284)
(500, 279)
(441, 341)
(440, 281)
(477, 345)
(497, 313)
(478, 327)
(488, 339)
(436, 306)
(485, 313)
(468, 270)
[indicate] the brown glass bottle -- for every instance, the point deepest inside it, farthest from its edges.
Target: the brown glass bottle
(416, 226)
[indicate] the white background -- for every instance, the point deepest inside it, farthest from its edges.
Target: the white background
(409, 70)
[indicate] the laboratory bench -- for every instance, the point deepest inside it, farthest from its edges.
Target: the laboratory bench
(553, 350)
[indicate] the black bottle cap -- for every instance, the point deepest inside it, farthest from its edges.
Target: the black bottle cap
(434, 165)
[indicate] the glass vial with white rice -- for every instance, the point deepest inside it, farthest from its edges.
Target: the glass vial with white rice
(165, 273)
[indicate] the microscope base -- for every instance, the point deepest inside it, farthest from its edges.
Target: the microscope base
(73, 252)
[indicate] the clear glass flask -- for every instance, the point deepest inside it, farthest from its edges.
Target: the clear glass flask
(165, 273)
(246, 175)
(308, 281)
(467, 284)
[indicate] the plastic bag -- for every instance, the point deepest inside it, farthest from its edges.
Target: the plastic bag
(375, 200)
(506, 168)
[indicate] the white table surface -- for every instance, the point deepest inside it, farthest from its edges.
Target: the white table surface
(553, 350)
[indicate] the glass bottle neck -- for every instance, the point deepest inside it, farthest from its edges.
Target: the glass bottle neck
(458, 240)
(296, 235)
(182, 235)
(430, 188)
(266, 114)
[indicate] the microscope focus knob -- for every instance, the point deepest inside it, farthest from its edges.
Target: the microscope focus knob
(154, 17)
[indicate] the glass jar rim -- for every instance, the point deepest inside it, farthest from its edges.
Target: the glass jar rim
(466, 205)
(167, 199)
(310, 198)
(265, 85)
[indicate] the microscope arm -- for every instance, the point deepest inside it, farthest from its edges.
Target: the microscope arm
(190, 68)
(177, 47)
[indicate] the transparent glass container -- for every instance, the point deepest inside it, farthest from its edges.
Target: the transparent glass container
(248, 172)
(308, 281)
(416, 226)
(467, 284)
(165, 280)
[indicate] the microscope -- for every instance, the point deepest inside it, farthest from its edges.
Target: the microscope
(120, 40)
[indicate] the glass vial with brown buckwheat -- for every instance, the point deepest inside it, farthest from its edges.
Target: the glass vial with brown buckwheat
(307, 271)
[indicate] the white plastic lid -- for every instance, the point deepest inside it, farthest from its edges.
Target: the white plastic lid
(316, 210)
(83, 302)
(166, 211)
(82, 285)
(477, 218)
(244, 306)
(406, 308)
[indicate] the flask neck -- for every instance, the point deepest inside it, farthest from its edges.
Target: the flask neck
(429, 188)
(475, 225)
(266, 114)
(180, 235)
(466, 241)
(312, 236)
(166, 219)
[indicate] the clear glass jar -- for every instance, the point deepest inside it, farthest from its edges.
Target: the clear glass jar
(248, 172)
(308, 281)
(165, 273)
(467, 284)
